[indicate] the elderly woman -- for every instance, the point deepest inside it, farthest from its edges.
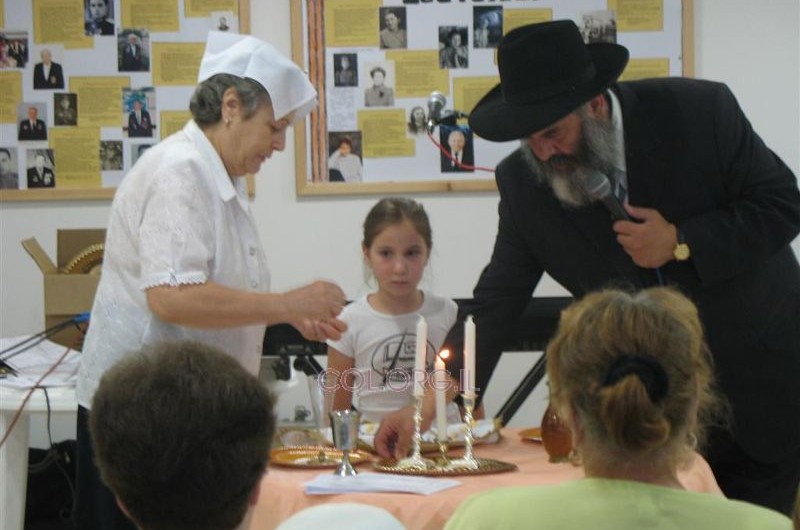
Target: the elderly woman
(182, 255)
(631, 375)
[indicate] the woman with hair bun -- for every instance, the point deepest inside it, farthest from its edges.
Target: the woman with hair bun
(631, 375)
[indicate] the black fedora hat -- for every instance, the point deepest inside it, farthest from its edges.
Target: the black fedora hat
(546, 72)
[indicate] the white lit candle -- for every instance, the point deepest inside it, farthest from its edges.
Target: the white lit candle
(469, 356)
(440, 382)
(420, 356)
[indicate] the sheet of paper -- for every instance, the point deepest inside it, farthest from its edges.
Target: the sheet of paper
(328, 484)
(176, 63)
(161, 16)
(31, 364)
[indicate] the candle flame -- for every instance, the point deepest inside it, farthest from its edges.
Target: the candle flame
(444, 354)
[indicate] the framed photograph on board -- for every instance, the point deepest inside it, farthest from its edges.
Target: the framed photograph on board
(384, 67)
(88, 90)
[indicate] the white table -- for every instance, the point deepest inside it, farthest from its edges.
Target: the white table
(14, 452)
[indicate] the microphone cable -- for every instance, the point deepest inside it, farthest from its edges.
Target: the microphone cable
(453, 159)
(58, 457)
(38, 338)
(37, 385)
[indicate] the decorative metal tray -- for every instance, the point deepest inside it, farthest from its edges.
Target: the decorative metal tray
(486, 466)
(293, 436)
(531, 435)
(313, 457)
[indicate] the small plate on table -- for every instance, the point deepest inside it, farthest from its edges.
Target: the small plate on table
(313, 457)
(531, 435)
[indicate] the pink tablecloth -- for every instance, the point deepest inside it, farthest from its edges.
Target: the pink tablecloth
(282, 488)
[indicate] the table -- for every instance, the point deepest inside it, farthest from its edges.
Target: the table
(14, 452)
(282, 488)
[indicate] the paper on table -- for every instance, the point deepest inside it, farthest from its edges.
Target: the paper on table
(329, 484)
(31, 364)
(455, 431)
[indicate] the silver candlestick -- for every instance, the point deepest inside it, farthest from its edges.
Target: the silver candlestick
(416, 461)
(468, 461)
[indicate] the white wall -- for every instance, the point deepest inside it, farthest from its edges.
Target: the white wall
(752, 46)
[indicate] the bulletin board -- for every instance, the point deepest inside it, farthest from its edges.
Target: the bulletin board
(84, 93)
(375, 64)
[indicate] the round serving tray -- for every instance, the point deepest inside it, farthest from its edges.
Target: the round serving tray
(486, 466)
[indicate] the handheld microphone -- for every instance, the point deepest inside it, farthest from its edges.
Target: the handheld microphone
(598, 187)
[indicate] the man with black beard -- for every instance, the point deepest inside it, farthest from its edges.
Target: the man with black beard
(713, 212)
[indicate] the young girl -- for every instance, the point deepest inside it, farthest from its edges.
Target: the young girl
(375, 357)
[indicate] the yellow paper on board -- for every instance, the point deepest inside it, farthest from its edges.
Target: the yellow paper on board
(61, 22)
(176, 63)
(204, 8)
(173, 121)
(638, 15)
(99, 99)
(467, 91)
(645, 68)
(77, 155)
(417, 73)
(383, 133)
(352, 23)
(515, 18)
(10, 95)
(152, 16)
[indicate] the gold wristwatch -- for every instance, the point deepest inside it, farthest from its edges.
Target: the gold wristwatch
(681, 251)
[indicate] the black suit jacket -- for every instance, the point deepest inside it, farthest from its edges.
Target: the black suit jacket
(19, 54)
(467, 158)
(692, 155)
(37, 131)
(46, 180)
(104, 27)
(132, 61)
(54, 80)
(143, 128)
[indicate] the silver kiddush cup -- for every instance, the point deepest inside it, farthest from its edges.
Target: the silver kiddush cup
(344, 426)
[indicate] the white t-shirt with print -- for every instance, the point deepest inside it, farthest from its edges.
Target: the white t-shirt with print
(383, 348)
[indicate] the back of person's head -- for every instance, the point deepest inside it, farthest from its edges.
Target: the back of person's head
(182, 434)
(342, 516)
(393, 210)
(635, 371)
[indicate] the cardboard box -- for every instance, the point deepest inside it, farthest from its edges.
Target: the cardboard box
(71, 282)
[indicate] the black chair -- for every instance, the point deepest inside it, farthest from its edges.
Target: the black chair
(536, 325)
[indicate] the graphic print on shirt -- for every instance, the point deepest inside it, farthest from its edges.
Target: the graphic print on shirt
(393, 360)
